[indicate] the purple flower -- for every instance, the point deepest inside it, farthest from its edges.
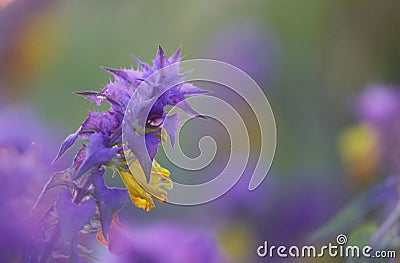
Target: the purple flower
(16, 121)
(24, 168)
(16, 231)
(162, 242)
(86, 204)
(140, 96)
(302, 209)
(370, 149)
(378, 107)
(378, 104)
(239, 203)
(50, 231)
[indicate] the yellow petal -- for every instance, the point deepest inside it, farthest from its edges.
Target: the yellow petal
(139, 189)
(137, 194)
(159, 182)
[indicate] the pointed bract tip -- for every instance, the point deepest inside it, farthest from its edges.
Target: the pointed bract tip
(176, 56)
(161, 59)
(136, 59)
(141, 64)
(85, 93)
(109, 70)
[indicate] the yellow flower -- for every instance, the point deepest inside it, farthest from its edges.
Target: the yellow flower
(358, 148)
(141, 191)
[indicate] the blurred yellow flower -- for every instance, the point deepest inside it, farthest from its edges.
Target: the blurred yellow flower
(237, 240)
(358, 148)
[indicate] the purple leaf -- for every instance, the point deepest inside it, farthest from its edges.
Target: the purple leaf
(109, 200)
(118, 73)
(188, 89)
(171, 125)
(161, 59)
(146, 67)
(67, 143)
(137, 145)
(73, 217)
(97, 154)
(176, 57)
(93, 96)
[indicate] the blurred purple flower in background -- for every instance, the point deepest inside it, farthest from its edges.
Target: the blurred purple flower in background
(25, 154)
(162, 242)
(371, 150)
(22, 128)
(250, 47)
(280, 211)
(304, 208)
(287, 217)
(237, 216)
(372, 147)
(379, 107)
(378, 104)
(239, 203)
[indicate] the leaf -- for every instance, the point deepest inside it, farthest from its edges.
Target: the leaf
(361, 236)
(97, 153)
(57, 179)
(137, 146)
(171, 125)
(176, 57)
(161, 59)
(67, 143)
(146, 67)
(189, 89)
(93, 96)
(185, 106)
(73, 217)
(109, 200)
(118, 73)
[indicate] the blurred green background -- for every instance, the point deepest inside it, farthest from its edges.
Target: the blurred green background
(327, 50)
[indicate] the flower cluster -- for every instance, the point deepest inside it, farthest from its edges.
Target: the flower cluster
(137, 100)
(370, 152)
(369, 147)
(378, 107)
